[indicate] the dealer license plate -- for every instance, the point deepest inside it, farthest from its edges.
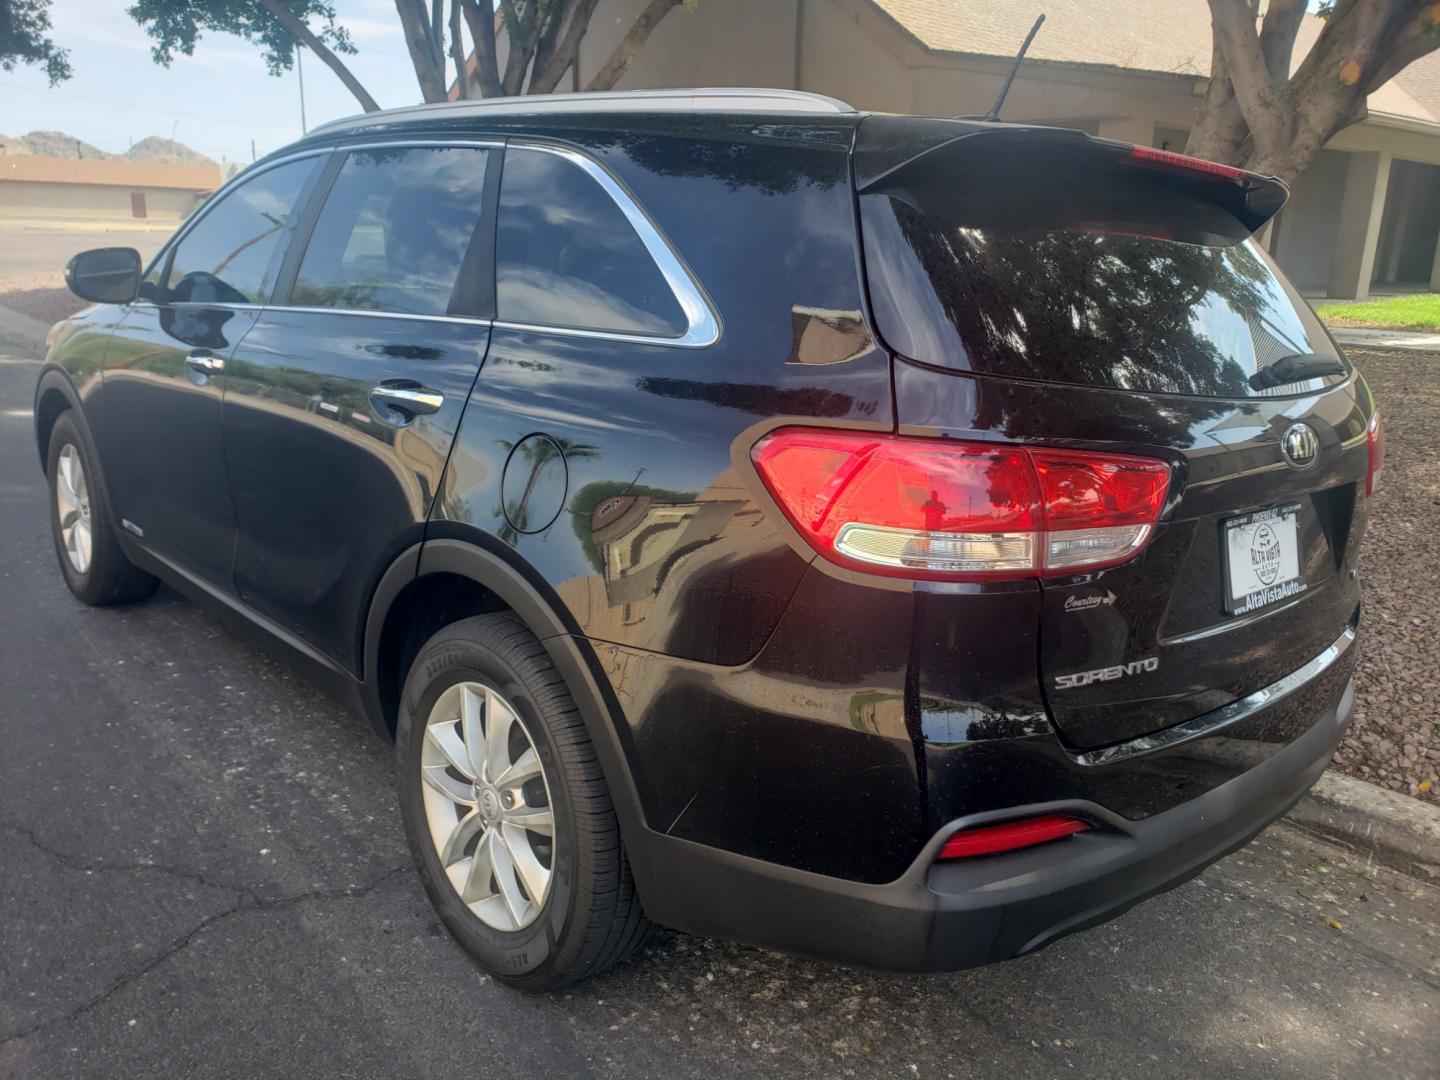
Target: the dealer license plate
(1262, 558)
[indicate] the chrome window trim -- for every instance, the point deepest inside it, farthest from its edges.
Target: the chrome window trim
(702, 323)
(468, 320)
(1226, 715)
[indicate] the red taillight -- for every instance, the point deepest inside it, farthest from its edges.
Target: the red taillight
(993, 839)
(938, 508)
(1170, 161)
(1375, 444)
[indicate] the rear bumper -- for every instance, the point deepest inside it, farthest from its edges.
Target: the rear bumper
(962, 914)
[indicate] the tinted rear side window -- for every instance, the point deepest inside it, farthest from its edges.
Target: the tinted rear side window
(1092, 297)
(565, 255)
(394, 231)
(229, 257)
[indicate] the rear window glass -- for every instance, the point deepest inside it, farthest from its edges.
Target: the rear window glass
(1097, 300)
(394, 232)
(565, 255)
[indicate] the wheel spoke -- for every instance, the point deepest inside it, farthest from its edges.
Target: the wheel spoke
(498, 719)
(471, 724)
(445, 737)
(460, 836)
(477, 882)
(532, 872)
(457, 791)
(503, 861)
(82, 543)
(525, 767)
(538, 819)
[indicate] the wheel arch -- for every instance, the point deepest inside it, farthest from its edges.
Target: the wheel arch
(55, 394)
(498, 581)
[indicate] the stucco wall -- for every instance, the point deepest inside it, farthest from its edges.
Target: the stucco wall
(23, 198)
(1305, 231)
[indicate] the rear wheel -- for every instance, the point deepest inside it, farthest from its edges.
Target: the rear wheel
(506, 811)
(94, 566)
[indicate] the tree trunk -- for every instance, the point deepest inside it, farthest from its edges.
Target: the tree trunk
(549, 71)
(419, 40)
(482, 29)
(631, 44)
(297, 27)
(463, 81)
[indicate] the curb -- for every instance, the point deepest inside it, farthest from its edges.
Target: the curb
(1384, 827)
(23, 332)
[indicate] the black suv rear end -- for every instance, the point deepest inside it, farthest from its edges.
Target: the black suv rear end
(901, 541)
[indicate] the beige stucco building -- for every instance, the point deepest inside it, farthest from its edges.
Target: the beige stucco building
(51, 188)
(1366, 215)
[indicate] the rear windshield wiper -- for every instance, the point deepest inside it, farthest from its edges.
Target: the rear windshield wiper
(1296, 368)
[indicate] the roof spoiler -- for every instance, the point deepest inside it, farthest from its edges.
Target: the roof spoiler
(894, 154)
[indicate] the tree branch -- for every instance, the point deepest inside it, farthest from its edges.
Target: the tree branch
(547, 75)
(521, 28)
(1255, 92)
(1420, 38)
(297, 27)
(415, 21)
(1277, 37)
(482, 29)
(634, 39)
(463, 82)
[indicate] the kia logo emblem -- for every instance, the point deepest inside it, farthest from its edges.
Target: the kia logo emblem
(1300, 445)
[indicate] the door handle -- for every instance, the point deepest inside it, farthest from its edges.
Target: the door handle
(406, 398)
(204, 365)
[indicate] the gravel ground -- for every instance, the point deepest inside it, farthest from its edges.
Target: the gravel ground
(41, 296)
(1395, 741)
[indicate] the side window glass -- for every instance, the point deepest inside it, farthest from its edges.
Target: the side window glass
(394, 232)
(229, 257)
(566, 256)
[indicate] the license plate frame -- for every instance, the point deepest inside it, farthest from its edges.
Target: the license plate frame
(1261, 561)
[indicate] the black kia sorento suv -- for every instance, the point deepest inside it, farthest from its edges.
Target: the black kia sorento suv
(895, 540)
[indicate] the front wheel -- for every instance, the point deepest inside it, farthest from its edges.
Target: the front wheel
(94, 566)
(506, 811)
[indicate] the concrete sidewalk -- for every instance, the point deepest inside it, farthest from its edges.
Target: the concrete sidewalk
(1402, 340)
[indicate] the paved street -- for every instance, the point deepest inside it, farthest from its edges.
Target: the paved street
(46, 250)
(202, 874)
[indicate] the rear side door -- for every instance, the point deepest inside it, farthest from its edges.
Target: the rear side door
(343, 399)
(159, 422)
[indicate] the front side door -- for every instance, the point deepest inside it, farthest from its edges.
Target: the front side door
(343, 399)
(159, 418)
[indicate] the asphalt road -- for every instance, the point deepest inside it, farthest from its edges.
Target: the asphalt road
(46, 250)
(202, 875)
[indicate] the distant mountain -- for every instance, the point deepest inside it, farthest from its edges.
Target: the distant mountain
(58, 144)
(154, 148)
(55, 144)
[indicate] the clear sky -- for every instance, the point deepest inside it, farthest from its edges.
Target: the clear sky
(216, 101)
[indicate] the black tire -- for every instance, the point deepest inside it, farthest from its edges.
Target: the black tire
(592, 917)
(110, 578)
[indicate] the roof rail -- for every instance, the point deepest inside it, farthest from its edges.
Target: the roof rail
(731, 99)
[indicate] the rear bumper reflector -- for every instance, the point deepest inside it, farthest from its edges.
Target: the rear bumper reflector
(1011, 836)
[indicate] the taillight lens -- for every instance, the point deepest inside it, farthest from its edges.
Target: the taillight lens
(933, 508)
(1375, 443)
(1011, 836)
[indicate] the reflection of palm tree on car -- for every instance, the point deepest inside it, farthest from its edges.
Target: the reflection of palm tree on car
(537, 452)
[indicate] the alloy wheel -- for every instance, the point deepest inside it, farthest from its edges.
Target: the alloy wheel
(72, 504)
(487, 804)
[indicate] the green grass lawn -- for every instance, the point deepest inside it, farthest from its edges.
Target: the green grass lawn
(1420, 311)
